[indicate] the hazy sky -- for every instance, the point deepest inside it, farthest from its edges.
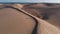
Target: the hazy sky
(49, 1)
(38, 1)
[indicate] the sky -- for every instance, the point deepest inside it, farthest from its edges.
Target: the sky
(32, 1)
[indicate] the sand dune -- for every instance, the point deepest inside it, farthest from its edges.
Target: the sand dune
(50, 13)
(14, 22)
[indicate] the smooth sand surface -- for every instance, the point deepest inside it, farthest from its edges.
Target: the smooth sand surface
(15, 22)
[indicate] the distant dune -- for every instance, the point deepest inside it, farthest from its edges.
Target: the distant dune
(50, 13)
